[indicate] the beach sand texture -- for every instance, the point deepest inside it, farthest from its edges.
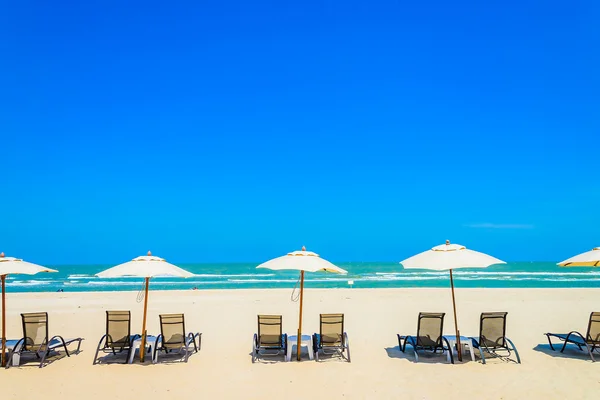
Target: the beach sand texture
(227, 318)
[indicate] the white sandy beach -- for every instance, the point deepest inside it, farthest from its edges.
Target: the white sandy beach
(227, 318)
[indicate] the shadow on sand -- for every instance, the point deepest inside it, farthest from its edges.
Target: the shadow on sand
(424, 357)
(571, 352)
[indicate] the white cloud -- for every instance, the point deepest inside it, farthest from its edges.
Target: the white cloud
(488, 225)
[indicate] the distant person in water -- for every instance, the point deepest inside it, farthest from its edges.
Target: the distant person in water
(194, 288)
(60, 290)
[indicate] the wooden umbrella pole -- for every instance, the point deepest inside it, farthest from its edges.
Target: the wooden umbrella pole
(300, 318)
(458, 347)
(143, 345)
(3, 277)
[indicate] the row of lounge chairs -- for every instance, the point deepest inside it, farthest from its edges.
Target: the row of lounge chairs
(117, 339)
(172, 339)
(331, 340)
(270, 339)
(492, 340)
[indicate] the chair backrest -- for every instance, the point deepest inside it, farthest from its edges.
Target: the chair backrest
(429, 329)
(270, 330)
(118, 328)
(332, 329)
(492, 329)
(172, 328)
(593, 332)
(35, 330)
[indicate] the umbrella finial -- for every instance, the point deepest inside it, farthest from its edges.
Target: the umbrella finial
(303, 248)
(149, 253)
(447, 242)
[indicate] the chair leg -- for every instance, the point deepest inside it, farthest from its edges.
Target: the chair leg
(590, 353)
(315, 344)
(128, 354)
(98, 350)
(481, 354)
(449, 350)
(563, 347)
(400, 343)
(43, 358)
(186, 355)
(158, 340)
(254, 349)
(550, 342)
(515, 350)
(347, 348)
(9, 358)
(64, 344)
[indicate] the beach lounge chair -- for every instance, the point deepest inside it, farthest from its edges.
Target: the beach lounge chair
(270, 339)
(492, 338)
(591, 341)
(331, 338)
(173, 337)
(118, 337)
(35, 340)
(429, 336)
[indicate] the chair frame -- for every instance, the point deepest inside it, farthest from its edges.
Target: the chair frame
(507, 345)
(328, 349)
(583, 341)
(107, 338)
(414, 341)
(40, 350)
(269, 351)
(189, 339)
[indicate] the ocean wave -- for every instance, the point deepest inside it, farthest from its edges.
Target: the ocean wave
(30, 283)
(230, 275)
(490, 273)
(397, 278)
(79, 276)
(163, 283)
(263, 280)
(139, 283)
(534, 273)
(558, 279)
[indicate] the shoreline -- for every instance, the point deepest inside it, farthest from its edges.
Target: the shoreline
(420, 288)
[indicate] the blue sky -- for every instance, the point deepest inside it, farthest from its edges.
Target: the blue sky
(236, 131)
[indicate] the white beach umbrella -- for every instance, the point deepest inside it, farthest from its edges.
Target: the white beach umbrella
(303, 261)
(588, 259)
(145, 267)
(11, 266)
(447, 257)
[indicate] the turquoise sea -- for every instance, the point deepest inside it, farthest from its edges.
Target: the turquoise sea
(81, 278)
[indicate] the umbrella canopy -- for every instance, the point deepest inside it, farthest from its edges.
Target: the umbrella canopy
(588, 259)
(145, 267)
(303, 261)
(447, 257)
(11, 265)
(450, 256)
